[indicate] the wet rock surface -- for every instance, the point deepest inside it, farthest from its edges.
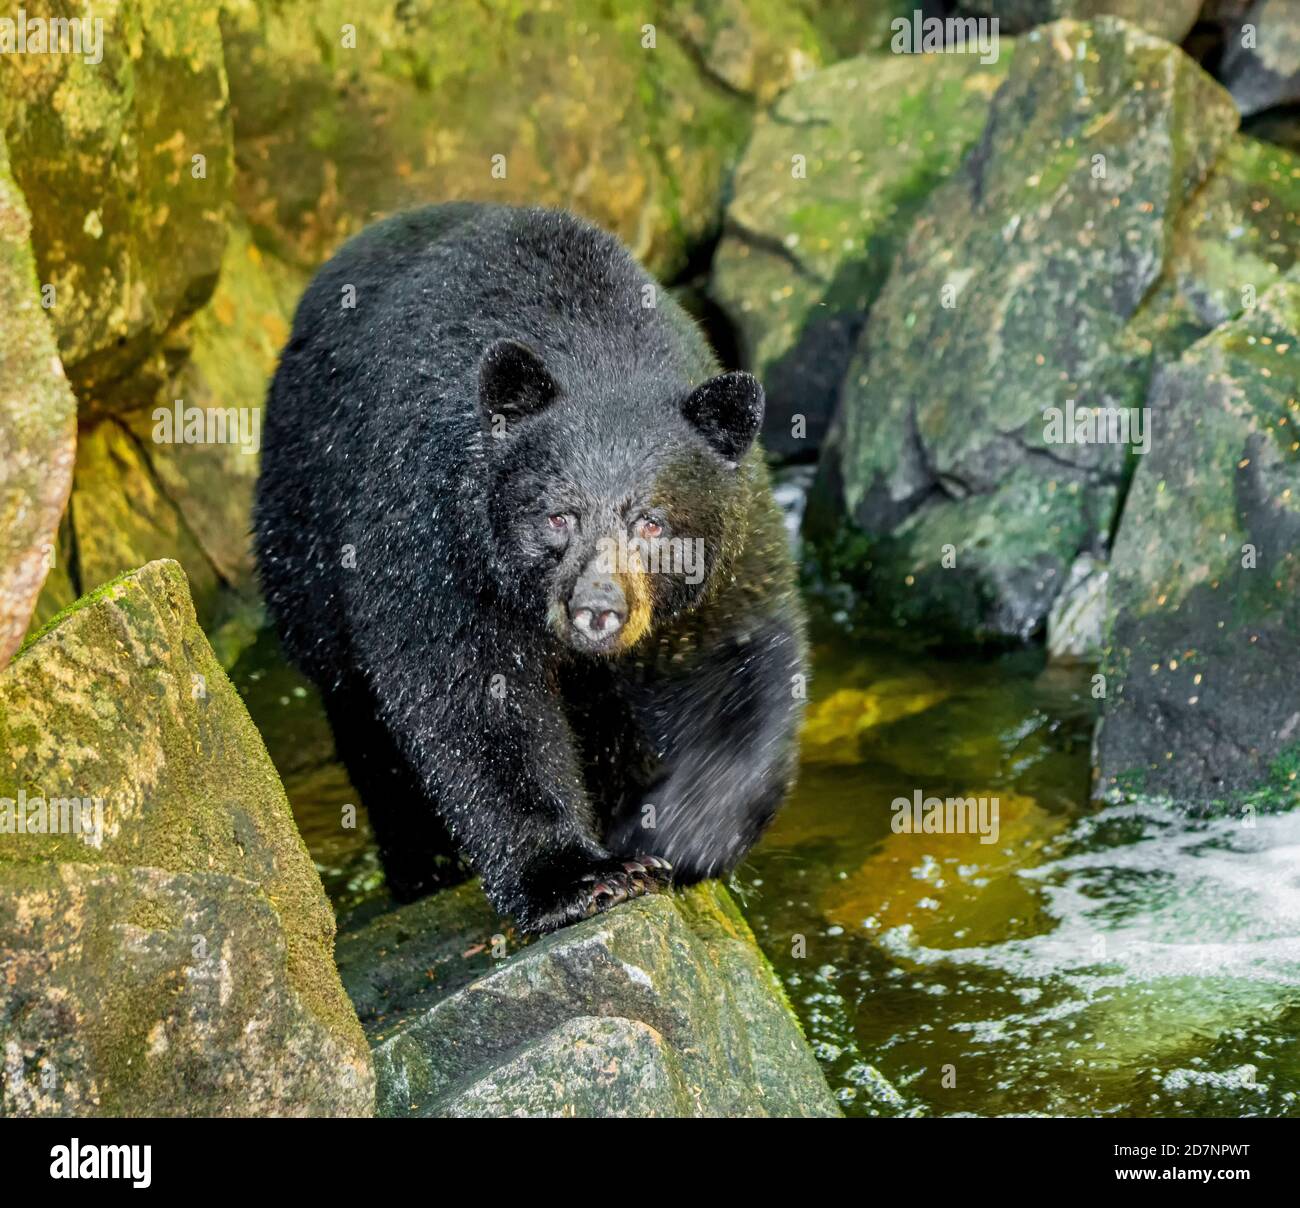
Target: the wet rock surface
(1200, 655)
(661, 1007)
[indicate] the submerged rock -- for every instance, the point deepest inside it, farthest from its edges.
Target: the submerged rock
(131, 157)
(823, 198)
(662, 1007)
(948, 493)
(1201, 659)
(38, 426)
(176, 954)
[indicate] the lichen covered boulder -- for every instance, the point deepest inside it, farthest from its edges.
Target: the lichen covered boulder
(236, 340)
(38, 426)
(630, 117)
(661, 1007)
(946, 493)
(1233, 238)
(128, 144)
(186, 927)
(136, 991)
(828, 187)
(1201, 659)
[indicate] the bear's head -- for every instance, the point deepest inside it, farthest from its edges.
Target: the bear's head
(613, 503)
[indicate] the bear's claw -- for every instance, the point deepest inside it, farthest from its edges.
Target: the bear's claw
(629, 879)
(601, 888)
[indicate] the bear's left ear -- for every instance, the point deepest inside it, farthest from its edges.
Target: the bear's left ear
(728, 411)
(513, 383)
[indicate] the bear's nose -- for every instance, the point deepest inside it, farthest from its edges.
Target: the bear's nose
(597, 607)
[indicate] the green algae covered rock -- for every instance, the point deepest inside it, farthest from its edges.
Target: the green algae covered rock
(38, 425)
(1201, 659)
(753, 47)
(121, 705)
(630, 116)
(1020, 289)
(131, 224)
(823, 198)
(136, 991)
(662, 1007)
(1236, 236)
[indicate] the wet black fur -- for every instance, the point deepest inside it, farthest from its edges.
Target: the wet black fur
(406, 556)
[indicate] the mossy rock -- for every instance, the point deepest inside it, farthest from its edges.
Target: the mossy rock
(38, 424)
(661, 1007)
(342, 115)
(863, 27)
(823, 198)
(121, 700)
(144, 992)
(1236, 236)
(1201, 659)
(131, 227)
(943, 495)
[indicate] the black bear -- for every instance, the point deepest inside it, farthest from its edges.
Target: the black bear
(515, 524)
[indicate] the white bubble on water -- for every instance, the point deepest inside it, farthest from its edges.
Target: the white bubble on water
(1186, 936)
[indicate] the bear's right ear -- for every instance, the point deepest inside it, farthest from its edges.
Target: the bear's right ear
(727, 410)
(512, 385)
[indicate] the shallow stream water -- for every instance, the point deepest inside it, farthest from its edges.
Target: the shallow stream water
(1115, 960)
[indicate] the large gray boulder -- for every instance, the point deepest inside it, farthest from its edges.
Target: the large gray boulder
(1261, 53)
(1086, 239)
(662, 1007)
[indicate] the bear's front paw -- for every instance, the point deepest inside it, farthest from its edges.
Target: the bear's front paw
(603, 887)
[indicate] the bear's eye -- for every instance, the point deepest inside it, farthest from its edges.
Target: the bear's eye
(648, 527)
(558, 521)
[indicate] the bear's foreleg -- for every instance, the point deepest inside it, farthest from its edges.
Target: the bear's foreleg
(489, 740)
(731, 727)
